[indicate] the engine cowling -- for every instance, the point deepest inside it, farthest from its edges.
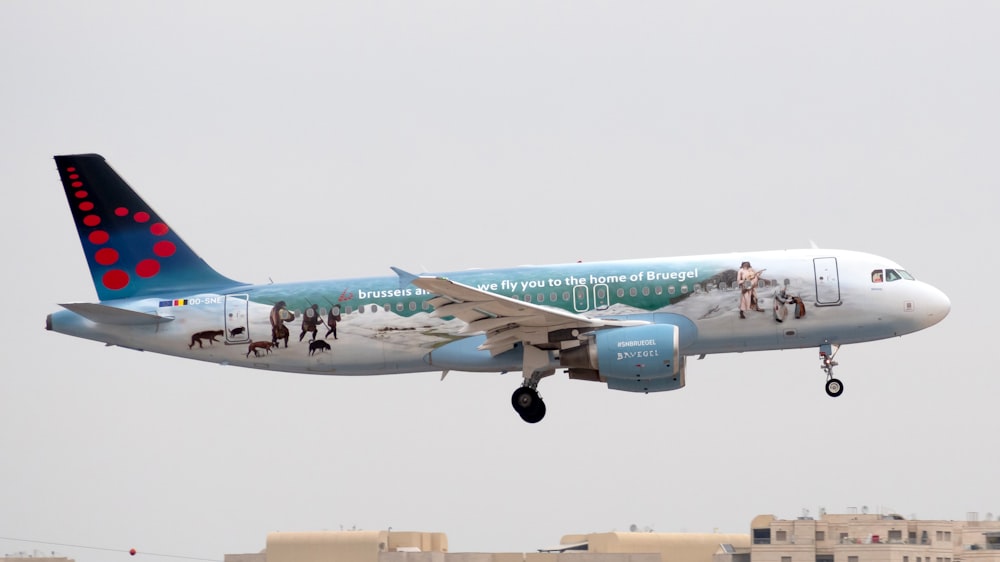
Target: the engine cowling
(634, 359)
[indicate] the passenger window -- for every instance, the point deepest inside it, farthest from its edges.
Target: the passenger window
(374, 308)
(645, 291)
(684, 289)
(413, 306)
(566, 296)
(361, 309)
(877, 276)
(527, 298)
(386, 307)
(671, 289)
(621, 293)
(553, 296)
(658, 289)
(541, 297)
(348, 309)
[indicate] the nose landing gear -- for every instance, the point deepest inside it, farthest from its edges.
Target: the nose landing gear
(834, 387)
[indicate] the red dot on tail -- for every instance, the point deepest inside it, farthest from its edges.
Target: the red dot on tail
(98, 237)
(115, 279)
(158, 229)
(147, 268)
(141, 216)
(86, 206)
(106, 256)
(74, 176)
(77, 184)
(121, 211)
(71, 169)
(81, 194)
(164, 248)
(91, 220)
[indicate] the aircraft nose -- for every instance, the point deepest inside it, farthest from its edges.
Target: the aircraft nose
(936, 305)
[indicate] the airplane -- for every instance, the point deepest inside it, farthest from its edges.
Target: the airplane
(630, 324)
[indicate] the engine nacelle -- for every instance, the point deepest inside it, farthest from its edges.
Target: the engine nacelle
(635, 359)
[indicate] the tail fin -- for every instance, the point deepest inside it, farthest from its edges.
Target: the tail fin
(130, 250)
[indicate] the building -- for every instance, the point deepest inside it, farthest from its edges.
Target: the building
(873, 538)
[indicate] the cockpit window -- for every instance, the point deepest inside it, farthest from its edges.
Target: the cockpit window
(892, 275)
(905, 274)
(877, 276)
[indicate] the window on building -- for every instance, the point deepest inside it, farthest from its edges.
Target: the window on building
(820, 536)
(895, 536)
(852, 559)
(947, 535)
(781, 536)
(762, 536)
(843, 538)
(786, 559)
(906, 559)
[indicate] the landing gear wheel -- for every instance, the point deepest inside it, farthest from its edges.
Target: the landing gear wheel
(834, 388)
(528, 404)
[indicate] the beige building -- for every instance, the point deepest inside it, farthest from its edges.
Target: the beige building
(407, 546)
(872, 538)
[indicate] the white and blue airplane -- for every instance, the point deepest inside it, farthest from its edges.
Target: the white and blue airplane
(628, 324)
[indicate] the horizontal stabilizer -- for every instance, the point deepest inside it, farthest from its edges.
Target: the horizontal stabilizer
(103, 314)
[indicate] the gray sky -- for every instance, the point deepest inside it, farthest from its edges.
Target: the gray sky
(315, 140)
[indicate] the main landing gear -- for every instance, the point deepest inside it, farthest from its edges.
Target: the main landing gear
(834, 387)
(526, 401)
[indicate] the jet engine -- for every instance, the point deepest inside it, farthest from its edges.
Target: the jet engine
(635, 358)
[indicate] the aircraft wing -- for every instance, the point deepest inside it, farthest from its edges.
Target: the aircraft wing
(504, 320)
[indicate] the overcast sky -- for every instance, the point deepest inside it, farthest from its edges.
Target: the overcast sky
(311, 140)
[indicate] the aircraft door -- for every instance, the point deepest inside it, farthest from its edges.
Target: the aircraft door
(581, 298)
(237, 319)
(827, 282)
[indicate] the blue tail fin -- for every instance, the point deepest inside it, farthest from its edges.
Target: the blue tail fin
(130, 250)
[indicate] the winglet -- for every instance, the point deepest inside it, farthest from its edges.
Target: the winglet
(405, 277)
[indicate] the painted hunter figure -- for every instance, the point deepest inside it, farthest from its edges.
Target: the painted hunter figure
(280, 315)
(747, 277)
(310, 322)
